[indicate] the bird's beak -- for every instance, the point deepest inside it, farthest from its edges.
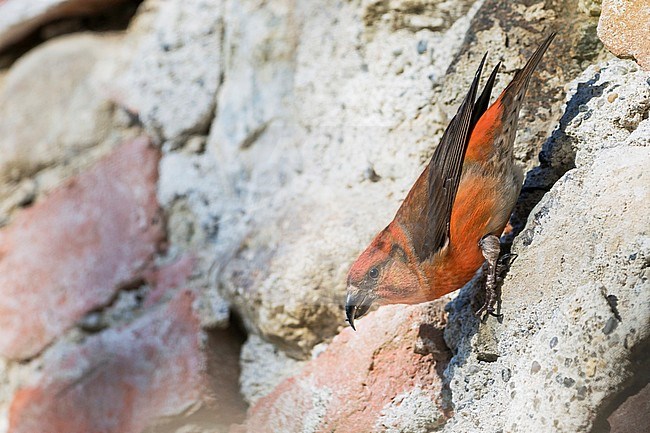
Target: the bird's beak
(356, 305)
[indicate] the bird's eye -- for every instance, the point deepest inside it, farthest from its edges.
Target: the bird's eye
(373, 273)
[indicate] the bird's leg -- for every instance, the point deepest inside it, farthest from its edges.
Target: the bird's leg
(491, 248)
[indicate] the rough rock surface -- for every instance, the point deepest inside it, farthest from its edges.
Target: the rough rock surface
(576, 301)
(316, 158)
(155, 368)
(263, 367)
(63, 74)
(41, 147)
(19, 17)
(73, 250)
(289, 133)
(575, 321)
(183, 48)
(190, 190)
(385, 377)
(623, 28)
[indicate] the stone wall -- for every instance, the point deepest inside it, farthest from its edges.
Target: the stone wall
(184, 185)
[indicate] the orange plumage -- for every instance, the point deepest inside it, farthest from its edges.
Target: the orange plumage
(450, 221)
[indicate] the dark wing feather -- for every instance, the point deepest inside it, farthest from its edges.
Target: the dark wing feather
(445, 169)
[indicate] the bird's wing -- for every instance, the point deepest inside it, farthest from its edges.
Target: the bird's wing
(426, 211)
(445, 169)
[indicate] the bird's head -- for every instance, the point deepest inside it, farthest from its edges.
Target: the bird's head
(381, 274)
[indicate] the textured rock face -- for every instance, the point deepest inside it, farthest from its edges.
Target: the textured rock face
(152, 369)
(575, 302)
(289, 132)
(623, 28)
(182, 47)
(68, 76)
(72, 251)
(383, 378)
(263, 367)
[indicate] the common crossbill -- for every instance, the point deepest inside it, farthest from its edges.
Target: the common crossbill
(449, 223)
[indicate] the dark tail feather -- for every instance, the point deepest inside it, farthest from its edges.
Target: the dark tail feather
(520, 82)
(512, 97)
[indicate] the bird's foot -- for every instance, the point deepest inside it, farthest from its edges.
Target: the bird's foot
(504, 263)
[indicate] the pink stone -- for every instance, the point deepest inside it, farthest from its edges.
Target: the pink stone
(348, 387)
(125, 380)
(624, 28)
(70, 252)
(170, 276)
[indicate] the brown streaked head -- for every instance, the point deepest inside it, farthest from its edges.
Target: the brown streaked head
(381, 274)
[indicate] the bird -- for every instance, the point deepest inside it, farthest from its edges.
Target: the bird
(450, 223)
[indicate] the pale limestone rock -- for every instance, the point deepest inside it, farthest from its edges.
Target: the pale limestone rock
(561, 351)
(263, 367)
(65, 76)
(176, 70)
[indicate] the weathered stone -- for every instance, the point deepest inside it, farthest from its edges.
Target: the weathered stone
(413, 15)
(68, 76)
(590, 7)
(189, 188)
(326, 114)
(309, 171)
(263, 367)
(153, 374)
(584, 247)
(623, 27)
(372, 380)
(312, 169)
(167, 277)
(176, 71)
(71, 251)
(20, 17)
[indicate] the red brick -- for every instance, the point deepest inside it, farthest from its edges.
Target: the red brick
(125, 380)
(359, 374)
(72, 250)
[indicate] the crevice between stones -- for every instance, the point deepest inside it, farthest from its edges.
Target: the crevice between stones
(113, 18)
(638, 379)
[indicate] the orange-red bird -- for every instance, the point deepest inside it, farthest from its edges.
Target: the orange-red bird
(450, 222)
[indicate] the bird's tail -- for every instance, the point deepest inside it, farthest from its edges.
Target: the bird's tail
(513, 96)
